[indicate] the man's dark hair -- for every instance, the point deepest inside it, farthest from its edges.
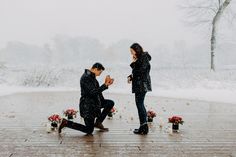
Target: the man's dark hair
(99, 66)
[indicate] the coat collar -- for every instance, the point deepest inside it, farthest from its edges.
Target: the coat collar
(89, 73)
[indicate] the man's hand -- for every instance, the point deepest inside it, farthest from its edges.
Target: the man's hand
(111, 81)
(108, 80)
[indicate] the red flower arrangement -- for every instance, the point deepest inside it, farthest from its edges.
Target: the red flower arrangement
(113, 111)
(151, 114)
(54, 118)
(70, 113)
(176, 120)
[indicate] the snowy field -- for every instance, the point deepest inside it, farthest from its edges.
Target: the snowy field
(191, 83)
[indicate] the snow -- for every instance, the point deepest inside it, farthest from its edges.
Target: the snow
(178, 71)
(212, 95)
(8, 90)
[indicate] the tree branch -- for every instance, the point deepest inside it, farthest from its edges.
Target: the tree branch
(197, 7)
(220, 11)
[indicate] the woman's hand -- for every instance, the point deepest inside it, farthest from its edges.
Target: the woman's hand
(129, 79)
(134, 59)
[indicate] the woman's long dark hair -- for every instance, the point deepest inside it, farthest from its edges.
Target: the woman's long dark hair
(137, 48)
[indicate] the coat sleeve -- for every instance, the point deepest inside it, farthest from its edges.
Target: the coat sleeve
(132, 65)
(91, 89)
(140, 66)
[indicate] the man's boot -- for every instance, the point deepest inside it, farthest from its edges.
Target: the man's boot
(100, 126)
(62, 125)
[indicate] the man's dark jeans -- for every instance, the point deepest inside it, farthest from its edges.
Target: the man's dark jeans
(107, 105)
(89, 120)
(142, 113)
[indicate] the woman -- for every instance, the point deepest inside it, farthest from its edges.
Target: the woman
(141, 83)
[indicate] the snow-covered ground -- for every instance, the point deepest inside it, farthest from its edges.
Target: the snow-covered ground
(194, 84)
(213, 95)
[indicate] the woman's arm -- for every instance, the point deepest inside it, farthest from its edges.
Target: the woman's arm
(140, 66)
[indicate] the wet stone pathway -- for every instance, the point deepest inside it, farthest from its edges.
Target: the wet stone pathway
(209, 129)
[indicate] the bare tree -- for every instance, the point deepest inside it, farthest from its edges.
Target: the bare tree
(207, 12)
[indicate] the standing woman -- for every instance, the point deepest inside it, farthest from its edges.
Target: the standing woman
(141, 83)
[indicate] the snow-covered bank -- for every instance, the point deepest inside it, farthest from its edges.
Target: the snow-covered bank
(8, 90)
(212, 95)
(173, 82)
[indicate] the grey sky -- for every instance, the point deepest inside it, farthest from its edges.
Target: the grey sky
(37, 21)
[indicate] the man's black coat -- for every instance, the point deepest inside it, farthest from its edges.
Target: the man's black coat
(91, 95)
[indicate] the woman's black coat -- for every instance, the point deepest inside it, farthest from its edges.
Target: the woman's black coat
(141, 80)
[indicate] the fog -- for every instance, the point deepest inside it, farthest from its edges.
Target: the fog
(89, 27)
(37, 22)
(51, 42)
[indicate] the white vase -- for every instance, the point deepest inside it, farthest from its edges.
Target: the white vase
(48, 127)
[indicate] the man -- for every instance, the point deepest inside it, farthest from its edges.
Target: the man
(91, 102)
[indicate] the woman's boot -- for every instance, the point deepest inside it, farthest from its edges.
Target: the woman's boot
(143, 129)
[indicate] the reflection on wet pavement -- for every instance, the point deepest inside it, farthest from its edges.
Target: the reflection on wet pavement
(209, 128)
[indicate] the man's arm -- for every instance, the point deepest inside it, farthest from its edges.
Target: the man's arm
(91, 89)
